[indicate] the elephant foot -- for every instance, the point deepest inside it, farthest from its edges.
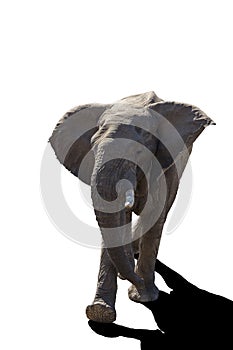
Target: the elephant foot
(101, 312)
(143, 295)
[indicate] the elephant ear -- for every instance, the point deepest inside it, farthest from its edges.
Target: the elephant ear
(71, 139)
(179, 126)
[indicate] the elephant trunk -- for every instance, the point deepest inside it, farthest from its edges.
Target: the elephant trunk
(117, 240)
(123, 261)
(113, 198)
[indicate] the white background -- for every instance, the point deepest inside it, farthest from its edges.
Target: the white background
(59, 54)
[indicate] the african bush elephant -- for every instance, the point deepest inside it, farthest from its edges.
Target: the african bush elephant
(132, 153)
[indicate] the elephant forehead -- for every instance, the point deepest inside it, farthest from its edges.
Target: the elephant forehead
(143, 118)
(111, 148)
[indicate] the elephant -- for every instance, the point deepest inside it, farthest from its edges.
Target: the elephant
(132, 153)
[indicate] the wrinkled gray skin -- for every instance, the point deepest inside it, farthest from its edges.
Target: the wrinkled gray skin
(136, 120)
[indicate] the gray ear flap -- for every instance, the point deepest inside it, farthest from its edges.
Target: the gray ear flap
(71, 139)
(179, 126)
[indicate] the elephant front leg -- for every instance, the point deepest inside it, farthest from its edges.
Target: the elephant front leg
(103, 306)
(160, 198)
(148, 250)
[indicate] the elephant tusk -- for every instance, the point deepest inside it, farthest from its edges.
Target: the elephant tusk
(129, 199)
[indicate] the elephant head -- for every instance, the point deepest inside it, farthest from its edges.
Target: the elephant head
(105, 144)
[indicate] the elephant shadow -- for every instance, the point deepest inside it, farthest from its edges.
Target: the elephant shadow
(187, 317)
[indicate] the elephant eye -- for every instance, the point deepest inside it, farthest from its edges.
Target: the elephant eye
(140, 131)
